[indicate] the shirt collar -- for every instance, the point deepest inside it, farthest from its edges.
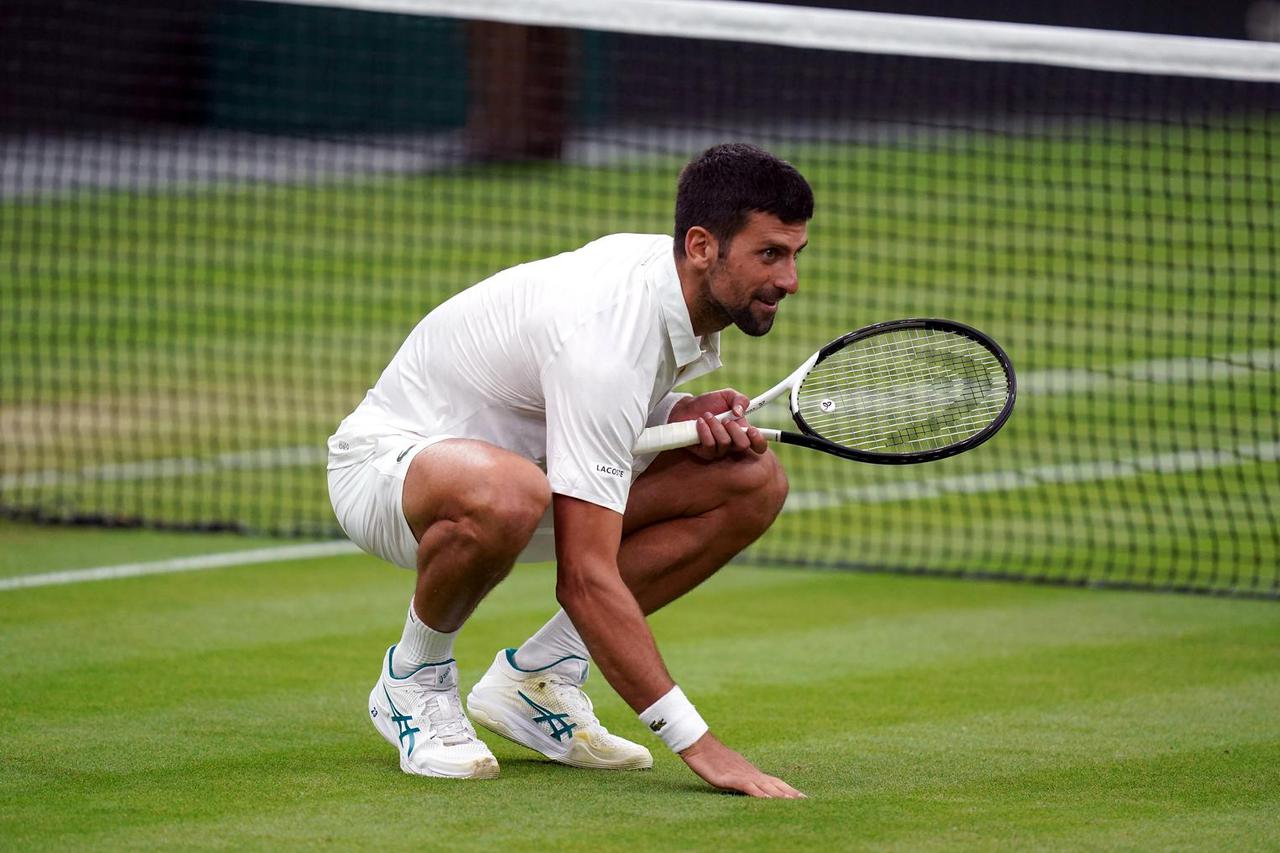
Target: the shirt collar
(685, 345)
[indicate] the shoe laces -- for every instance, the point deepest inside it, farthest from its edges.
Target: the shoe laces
(444, 711)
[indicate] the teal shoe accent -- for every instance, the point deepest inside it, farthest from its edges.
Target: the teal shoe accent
(511, 659)
(391, 673)
(403, 722)
(559, 728)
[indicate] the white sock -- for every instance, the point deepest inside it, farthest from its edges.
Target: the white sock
(420, 644)
(555, 641)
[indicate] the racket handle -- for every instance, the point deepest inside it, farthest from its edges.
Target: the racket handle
(679, 434)
(667, 437)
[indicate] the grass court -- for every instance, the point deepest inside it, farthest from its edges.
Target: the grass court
(223, 709)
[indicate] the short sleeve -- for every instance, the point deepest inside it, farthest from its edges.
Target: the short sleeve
(662, 412)
(597, 404)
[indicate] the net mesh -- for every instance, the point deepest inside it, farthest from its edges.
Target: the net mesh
(220, 219)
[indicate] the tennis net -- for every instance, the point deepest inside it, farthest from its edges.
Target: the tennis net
(220, 219)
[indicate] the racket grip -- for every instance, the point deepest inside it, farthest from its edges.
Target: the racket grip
(667, 437)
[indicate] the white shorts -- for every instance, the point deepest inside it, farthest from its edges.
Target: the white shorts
(366, 488)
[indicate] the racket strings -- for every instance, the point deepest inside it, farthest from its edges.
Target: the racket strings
(919, 404)
(889, 386)
(904, 391)
(932, 415)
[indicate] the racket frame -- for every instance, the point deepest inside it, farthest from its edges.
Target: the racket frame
(807, 437)
(685, 433)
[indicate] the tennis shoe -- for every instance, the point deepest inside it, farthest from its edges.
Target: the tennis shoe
(421, 716)
(547, 711)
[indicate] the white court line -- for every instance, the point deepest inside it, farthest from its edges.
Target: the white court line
(182, 564)
(1031, 478)
(1157, 371)
(1079, 380)
(151, 469)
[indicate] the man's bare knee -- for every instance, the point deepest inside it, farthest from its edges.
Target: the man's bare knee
(508, 505)
(475, 498)
(758, 486)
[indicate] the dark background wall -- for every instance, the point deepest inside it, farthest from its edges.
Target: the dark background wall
(65, 63)
(273, 67)
(74, 64)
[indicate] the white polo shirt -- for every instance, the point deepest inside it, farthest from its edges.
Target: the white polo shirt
(563, 361)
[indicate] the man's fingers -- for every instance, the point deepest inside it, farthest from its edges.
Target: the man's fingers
(704, 433)
(738, 435)
(713, 441)
(717, 438)
(766, 786)
(724, 400)
(718, 432)
(763, 785)
(734, 401)
(782, 789)
(776, 789)
(769, 791)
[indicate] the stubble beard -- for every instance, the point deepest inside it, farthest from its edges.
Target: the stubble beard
(742, 317)
(749, 323)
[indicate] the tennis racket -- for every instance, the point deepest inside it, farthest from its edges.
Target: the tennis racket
(892, 393)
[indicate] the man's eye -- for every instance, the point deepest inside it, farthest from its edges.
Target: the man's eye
(770, 254)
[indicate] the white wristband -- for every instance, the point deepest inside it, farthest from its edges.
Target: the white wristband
(674, 719)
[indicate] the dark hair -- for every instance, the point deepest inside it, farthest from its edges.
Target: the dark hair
(721, 187)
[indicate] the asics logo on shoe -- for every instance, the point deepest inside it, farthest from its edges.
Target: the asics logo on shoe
(403, 722)
(556, 722)
(657, 725)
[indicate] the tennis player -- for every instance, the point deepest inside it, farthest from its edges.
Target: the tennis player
(509, 415)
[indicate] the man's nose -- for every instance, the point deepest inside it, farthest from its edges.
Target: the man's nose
(789, 280)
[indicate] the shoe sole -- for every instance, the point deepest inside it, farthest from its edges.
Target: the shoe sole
(481, 768)
(481, 715)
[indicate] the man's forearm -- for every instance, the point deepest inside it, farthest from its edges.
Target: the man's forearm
(614, 628)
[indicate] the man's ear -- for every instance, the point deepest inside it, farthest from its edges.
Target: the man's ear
(700, 247)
